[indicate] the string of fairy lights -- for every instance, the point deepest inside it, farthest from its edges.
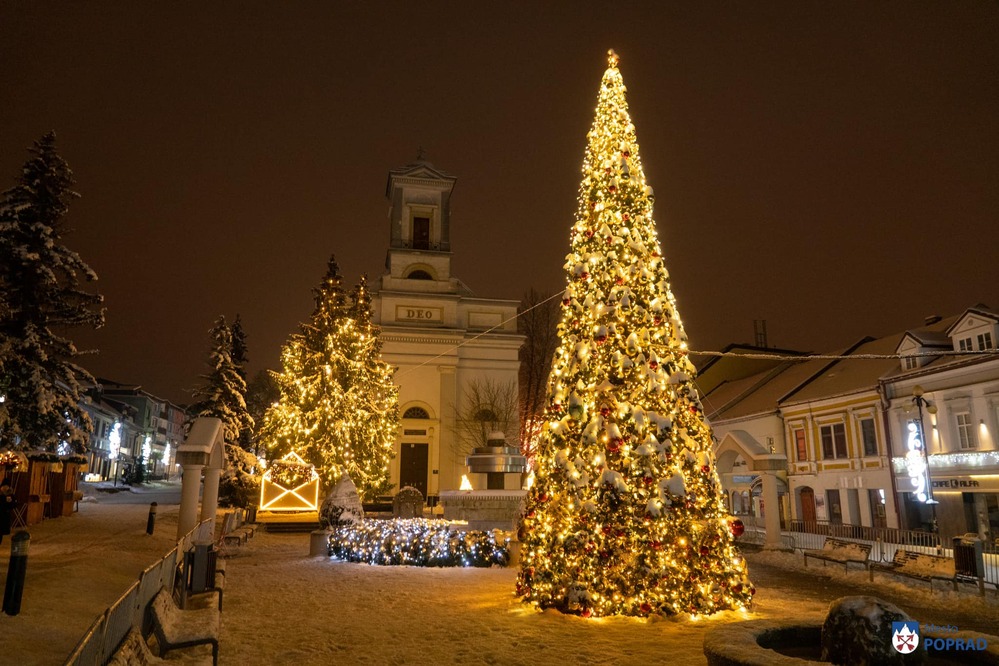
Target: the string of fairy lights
(769, 356)
(417, 542)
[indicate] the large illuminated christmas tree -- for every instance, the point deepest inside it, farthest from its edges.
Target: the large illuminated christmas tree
(625, 516)
(338, 408)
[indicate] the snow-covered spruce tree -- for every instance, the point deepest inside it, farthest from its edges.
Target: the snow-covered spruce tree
(239, 356)
(41, 292)
(626, 515)
(223, 396)
(338, 408)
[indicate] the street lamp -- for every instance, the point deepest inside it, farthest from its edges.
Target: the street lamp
(917, 397)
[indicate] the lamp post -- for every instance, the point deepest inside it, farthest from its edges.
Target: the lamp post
(917, 397)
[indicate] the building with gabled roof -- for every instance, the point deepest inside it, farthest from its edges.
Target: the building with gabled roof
(842, 425)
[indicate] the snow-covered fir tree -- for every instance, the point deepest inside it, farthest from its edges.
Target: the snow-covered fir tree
(339, 408)
(626, 515)
(42, 292)
(223, 396)
(239, 355)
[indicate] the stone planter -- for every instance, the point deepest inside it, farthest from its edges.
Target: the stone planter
(796, 643)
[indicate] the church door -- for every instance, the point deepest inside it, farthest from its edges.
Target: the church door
(413, 467)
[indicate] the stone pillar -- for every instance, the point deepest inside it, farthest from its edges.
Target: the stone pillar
(449, 467)
(210, 497)
(189, 489)
(771, 503)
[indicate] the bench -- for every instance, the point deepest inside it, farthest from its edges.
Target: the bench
(919, 566)
(840, 552)
(176, 628)
(234, 531)
(134, 651)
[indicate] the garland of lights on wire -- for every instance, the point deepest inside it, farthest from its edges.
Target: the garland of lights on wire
(626, 516)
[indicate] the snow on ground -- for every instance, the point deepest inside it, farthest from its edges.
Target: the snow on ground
(282, 606)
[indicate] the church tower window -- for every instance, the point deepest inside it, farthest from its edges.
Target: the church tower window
(421, 233)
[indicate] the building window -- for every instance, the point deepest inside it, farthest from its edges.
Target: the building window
(964, 345)
(965, 431)
(910, 362)
(985, 340)
(800, 445)
(833, 441)
(419, 275)
(870, 437)
(416, 413)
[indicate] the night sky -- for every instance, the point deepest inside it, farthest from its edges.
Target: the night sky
(828, 167)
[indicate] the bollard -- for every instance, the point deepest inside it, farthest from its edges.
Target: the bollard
(151, 522)
(15, 573)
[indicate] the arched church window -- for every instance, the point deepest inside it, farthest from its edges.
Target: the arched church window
(419, 275)
(416, 413)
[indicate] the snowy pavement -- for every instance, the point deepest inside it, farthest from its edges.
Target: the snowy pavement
(282, 606)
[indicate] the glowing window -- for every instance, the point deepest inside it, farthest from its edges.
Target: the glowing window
(416, 413)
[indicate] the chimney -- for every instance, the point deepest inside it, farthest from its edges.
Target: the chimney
(932, 319)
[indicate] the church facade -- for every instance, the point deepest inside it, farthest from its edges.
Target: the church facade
(442, 338)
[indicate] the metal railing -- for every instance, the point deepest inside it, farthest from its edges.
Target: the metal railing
(884, 542)
(107, 632)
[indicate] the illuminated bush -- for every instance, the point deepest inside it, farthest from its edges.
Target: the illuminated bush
(417, 542)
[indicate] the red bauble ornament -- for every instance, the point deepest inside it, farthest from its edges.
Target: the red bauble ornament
(584, 275)
(600, 339)
(705, 550)
(646, 608)
(604, 410)
(626, 217)
(626, 154)
(705, 469)
(543, 497)
(589, 233)
(657, 320)
(607, 529)
(653, 364)
(648, 480)
(752, 590)
(656, 545)
(612, 188)
(619, 281)
(737, 527)
(737, 588)
(614, 445)
(586, 612)
(566, 301)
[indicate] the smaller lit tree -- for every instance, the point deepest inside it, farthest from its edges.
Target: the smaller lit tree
(338, 407)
